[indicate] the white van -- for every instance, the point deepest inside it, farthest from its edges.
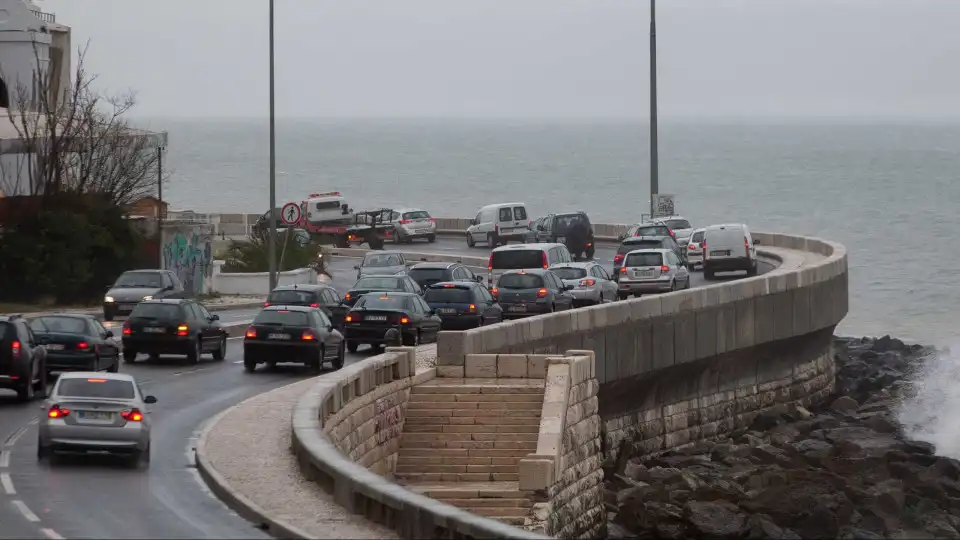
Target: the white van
(497, 224)
(525, 257)
(728, 248)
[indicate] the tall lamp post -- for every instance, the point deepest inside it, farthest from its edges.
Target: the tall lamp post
(654, 158)
(160, 215)
(272, 238)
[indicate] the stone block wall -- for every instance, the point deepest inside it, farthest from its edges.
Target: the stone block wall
(566, 475)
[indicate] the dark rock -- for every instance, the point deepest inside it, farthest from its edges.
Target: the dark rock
(634, 469)
(856, 533)
(880, 424)
(617, 531)
(920, 447)
(887, 343)
(822, 522)
(761, 527)
(715, 519)
(845, 404)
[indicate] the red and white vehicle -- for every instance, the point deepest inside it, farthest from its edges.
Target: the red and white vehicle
(330, 220)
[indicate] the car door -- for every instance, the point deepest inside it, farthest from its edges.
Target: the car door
(609, 286)
(37, 351)
(109, 346)
(488, 305)
(209, 328)
(413, 286)
(431, 322)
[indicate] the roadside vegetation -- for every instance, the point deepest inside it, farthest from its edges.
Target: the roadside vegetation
(252, 254)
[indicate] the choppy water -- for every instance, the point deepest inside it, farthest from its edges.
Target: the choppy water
(888, 192)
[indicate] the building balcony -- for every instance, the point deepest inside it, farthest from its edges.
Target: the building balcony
(43, 16)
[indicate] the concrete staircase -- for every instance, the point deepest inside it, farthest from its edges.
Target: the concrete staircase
(463, 439)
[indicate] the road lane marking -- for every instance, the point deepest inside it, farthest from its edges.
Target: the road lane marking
(7, 484)
(4, 459)
(12, 439)
(25, 510)
(52, 534)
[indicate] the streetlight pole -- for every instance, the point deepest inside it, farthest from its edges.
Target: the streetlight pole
(160, 207)
(272, 238)
(654, 158)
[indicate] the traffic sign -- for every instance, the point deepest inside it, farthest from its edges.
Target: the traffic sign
(663, 205)
(290, 213)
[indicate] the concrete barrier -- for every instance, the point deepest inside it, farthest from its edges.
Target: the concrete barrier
(256, 283)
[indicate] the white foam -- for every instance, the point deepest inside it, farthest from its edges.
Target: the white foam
(933, 413)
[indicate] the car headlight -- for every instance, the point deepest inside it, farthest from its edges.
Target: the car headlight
(108, 299)
(148, 297)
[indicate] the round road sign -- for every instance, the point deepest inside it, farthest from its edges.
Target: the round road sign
(290, 213)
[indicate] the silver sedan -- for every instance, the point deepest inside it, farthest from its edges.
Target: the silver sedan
(96, 412)
(591, 282)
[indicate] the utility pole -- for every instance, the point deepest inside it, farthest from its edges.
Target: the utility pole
(160, 215)
(272, 238)
(654, 158)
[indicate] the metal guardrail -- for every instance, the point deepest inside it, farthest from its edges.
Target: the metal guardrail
(44, 16)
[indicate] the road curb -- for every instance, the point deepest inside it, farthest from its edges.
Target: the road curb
(234, 500)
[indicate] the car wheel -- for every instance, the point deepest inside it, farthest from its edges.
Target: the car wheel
(25, 392)
(413, 341)
(221, 351)
(622, 296)
(40, 388)
(492, 240)
(146, 455)
(470, 242)
(341, 357)
(590, 252)
(193, 356)
(129, 356)
(352, 346)
(115, 366)
(96, 363)
(431, 238)
(316, 365)
(43, 452)
(134, 459)
(673, 285)
(709, 274)
(249, 365)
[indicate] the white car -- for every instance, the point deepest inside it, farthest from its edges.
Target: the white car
(695, 249)
(412, 223)
(590, 281)
(728, 248)
(497, 224)
(681, 228)
(96, 412)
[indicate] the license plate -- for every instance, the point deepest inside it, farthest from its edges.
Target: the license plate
(278, 336)
(127, 306)
(517, 308)
(375, 318)
(155, 330)
(54, 347)
(96, 415)
(643, 273)
(721, 253)
(446, 310)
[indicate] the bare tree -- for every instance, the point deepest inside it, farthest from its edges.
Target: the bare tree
(80, 142)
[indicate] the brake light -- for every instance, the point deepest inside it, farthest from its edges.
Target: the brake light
(350, 317)
(617, 259)
(496, 229)
(587, 282)
(542, 293)
(126, 328)
(347, 296)
(15, 348)
(493, 292)
(404, 320)
(83, 345)
(623, 269)
(449, 286)
(314, 305)
(543, 259)
(133, 415)
(308, 335)
(672, 235)
(490, 262)
(266, 304)
(664, 269)
(692, 247)
(57, 412)
(406, 221)
(182, 330)
(96, 380)
(589, 244)
(530, 224)
(251, 332)
(472, 307)
(432, 220)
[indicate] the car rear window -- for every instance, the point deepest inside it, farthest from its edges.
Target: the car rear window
(520, 281)
(644, 244)
(139, 279)
(652, 230)
(570, 273)
(519, 213)
(506, 214)
(517, 259)
(644, 259)
(373, 301)
(293, 297)
(563, 223)
(283, 317)
(156, 311)
(419, 214)
(378, 283)
(423, 274)
(678, 224)
(697, 237)
(95, 388)
(65, 325)
(448, 295)
(382, 259)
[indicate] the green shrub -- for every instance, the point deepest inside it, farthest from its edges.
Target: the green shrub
(251, 255)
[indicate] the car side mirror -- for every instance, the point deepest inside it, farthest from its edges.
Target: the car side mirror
(149, 400)
(568, 287)
(356, 267)
(473, 221)
(756, 241)
(214, 317)
(109, 334)
(167, 288)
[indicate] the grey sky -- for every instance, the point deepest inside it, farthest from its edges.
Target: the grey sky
(526, 58)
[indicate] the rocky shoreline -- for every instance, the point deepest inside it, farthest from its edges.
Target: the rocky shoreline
(843, 470)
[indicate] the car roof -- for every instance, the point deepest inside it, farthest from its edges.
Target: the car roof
(70, 315)
(165, 301)
(640, 239)
(535, 271)
(535, 247)
(96, 375)
(402, 210)
(390, 293)
(10, 318)
(660, 251)
(298, 287)
(452, 284)
(726, 226)
(383, 252)
(579, 264)
(433, 264)
(497, 205)
(282, 307)
(571, 213)
(665, 218)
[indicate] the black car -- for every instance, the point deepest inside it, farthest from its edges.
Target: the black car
(177, 326)
(22, 360)
(462, 305)
(76, 342)
(298, 334)
(531, 292)
(323, 297)
(428, 273)
(370, 284)
(555, 228)
(376, 317)
(645, 242)
(134, 286)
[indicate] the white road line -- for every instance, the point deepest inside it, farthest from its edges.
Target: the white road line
(27, 513)
(238, 361)
(4, 459)
(13, 438)
(52, 534)
(7, 484)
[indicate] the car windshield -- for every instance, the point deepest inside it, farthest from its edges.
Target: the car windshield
(59, 325)
(419, 214)
(290, 297)
(428, 274)
(517, 259)
(282, 317)
(156, 311)
(697, 237)
(644, 259)
(382, 259)
(392, 284)
(374, 301)
(562, 224)
(448, 295)
(520, 281)
(643, 244)
(130, 280)
(570, 273)
(95, 388)
(678, 224)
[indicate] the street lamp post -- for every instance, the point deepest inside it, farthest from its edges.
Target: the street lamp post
(160, 215)
(272, 238)
(654, 158)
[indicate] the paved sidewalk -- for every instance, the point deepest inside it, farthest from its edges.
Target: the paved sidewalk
(249, 447)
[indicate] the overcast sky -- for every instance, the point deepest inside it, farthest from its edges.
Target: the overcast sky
(525, 58)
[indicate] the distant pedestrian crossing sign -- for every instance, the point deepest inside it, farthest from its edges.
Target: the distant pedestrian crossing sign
(290, 213)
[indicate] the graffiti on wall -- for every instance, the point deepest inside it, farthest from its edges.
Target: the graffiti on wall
(190, 257)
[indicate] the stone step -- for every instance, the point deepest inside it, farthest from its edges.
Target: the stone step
(515, 521)
(455, 452)
(405, 459)
(457, 469)
(457, 477)
(468, 490)
(513, 512)
(490, 503)
(423, 401)
(471, 428)
(470, 397)
(532, 412)
(492, 437)
(433, 444)
(478, 389)
(417, 420)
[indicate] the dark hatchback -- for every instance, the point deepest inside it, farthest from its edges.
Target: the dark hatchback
(22, 359)
(176, 326)
(428, 273)
(377, 317)
(76, 343)
(370, 284)
(522, 293)
(323, 297)
(294, 334)
(463, 305)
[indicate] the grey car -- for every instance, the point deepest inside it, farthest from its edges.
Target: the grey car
(652, 271)
(134, 286)
(382, 263)
(96, 412)
(680, 226)
(590, 281)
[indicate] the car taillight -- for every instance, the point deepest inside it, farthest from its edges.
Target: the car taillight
(543, 260)
(83, 345)
(472, 307)
(490, 262)
(692, 247)
(404, 320)
(266, 304)
(347, 296)
(15, 348)
(251, 332)
(664, 269)
(432, 220)
(126, 328)
(530, 224)
(496, 229)
(672, 235)
(542, 293)
(588, 282)
(617, 259)
(623, 269)
(133, 415)
(308, 335)
(406, 221)
(57, 412)
(493, 292)
(182, 330)
(589, 244)
(350, 317)
(314, 305)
